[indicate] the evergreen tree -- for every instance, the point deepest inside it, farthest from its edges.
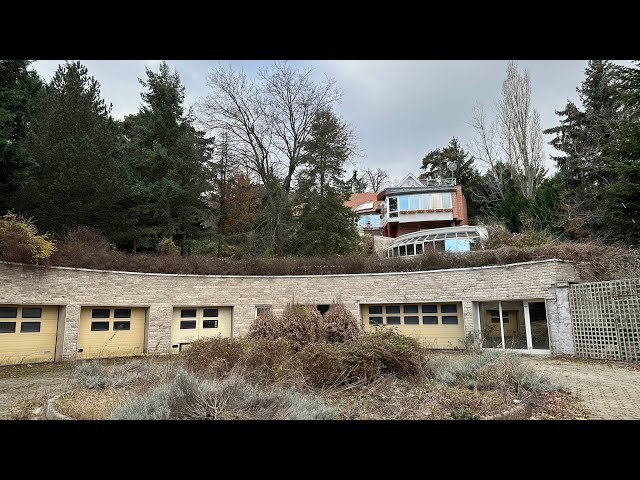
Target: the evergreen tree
(356, 184)
(74, 142)
(169, 163)
(435, 164)
(19, 90)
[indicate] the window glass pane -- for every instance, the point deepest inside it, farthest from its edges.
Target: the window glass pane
(393, 214)
(449, 320)
(403, 251)
(435, 200)
(99, 326)
(393, 309)
(7, 327)
(430, 308)
(31, 313)
(187, 324)
(263, 309)
(403, 201)
(188, 313)
(393, 320)
(122, 325)
(375, 310)
(446, 200)
(210, 324)
(100, 313)
(414, 202)
(425, 201)
(410, 249)
(375, 320)
(210, 312)
(26, 327)
(411, 309)
(393, 204)
(122, 313)
(411, 320)
(418, 249)
(448, 308)
(430, 320)
(8, 312)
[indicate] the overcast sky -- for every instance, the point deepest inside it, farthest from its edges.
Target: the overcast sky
(400, 109)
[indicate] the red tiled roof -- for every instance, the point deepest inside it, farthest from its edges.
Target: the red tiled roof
(357, 199)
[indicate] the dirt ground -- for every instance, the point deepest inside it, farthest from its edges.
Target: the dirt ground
(608, 390)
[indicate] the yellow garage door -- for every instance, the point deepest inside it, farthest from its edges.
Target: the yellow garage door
(192, 323)
(435, 325)
(27, 333)
(111, 332)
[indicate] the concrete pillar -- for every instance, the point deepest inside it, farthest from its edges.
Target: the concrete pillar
(559, 320)
(71, 324)
(159, 328)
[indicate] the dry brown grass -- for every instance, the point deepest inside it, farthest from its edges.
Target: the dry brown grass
(89, 404)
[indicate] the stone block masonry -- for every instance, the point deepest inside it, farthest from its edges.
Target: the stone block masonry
(159, 293)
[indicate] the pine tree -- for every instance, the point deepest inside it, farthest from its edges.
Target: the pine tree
(169, 163)
(74, 142)
(19, 90)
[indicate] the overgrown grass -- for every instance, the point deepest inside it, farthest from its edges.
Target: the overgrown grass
(94, 374)
(189, 397)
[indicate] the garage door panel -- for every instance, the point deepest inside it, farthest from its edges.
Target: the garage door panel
(33, 338)
(434, 324)
(94, 342)
(207, 322)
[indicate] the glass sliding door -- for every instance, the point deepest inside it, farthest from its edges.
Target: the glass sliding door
(514, 324)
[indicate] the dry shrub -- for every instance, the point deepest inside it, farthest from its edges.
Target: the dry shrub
(271, 362)
(213, 356)
(20, 241)
(301, 324)
(267, 326)
(340, 325)
(499, 236)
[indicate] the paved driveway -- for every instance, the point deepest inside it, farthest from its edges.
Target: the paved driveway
(607, 390)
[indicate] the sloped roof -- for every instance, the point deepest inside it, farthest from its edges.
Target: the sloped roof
(358, 199)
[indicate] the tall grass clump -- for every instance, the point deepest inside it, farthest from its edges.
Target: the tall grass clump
(95, 375)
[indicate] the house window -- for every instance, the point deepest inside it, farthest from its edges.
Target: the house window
(392, 309)
(375, 320)
(449, 319)
(122, 313)
(100, 313)
(411, 320)
(429, 319)
(430, 308)
(7, 327)
(187, 324)
(31, 313)
(393, 320)
(414, 202)
(8, 312)
(449, 308)
(403, 251)
(188, 313)
(261, 309)
(29, 327)
(410, 250)
(121, 325)
(425, 201)
(375, 310)
(210, 324)
(436, 200)
(411, 309)
(418, 248)
(393, 205)
(495, 316)
(403, 201)
(210, 312)
(446, 200)
(99, 326)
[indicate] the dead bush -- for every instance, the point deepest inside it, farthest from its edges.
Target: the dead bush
(213, 356)
(266, 326)
(271, 362)
(339, 325)
(301, 324)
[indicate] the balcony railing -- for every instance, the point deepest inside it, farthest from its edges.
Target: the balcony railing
(437, 182)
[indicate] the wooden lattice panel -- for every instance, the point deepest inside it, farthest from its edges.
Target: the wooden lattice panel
(606, 319)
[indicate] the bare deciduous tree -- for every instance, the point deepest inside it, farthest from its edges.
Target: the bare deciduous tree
(376, 179)
(267, 122)
(513, 138)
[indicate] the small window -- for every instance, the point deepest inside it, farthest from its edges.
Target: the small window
(100, 326)
(8, 312)
(410, 250)
(449, 308)
(404, 202)
(188, 313)
(411, 320)
(393, 309)
(122, 313)
(32, 313)
(375, 310)
(122, 325)
(29, 327)
(446, 200)
(403, 250)
(100, 313)
(414, 202)
(425, 201)
(187, 324)
(430, 308)
(323, 308)
(210, 324)
(210, 312)
(7, 327)
(449, 320)
(418, 248)
(393, 320)
(411, 309)
(429, 320)
(262, 309)
(393, 204)
(375, 320)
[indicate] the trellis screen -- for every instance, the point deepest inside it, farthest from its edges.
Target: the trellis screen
(606, 319)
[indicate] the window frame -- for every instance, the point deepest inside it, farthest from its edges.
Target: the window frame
(22, 324)
(194, 322)
(94, 310)
(10, 309)
(22, 315)
(100, 329)
(8, 331)
(128, 322)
